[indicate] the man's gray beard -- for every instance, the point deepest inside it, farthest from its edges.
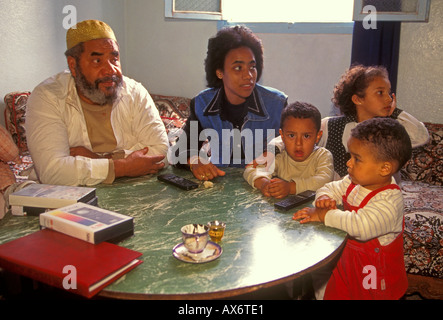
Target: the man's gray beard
(93, 93)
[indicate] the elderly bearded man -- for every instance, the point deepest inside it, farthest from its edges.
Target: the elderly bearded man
(91, 124)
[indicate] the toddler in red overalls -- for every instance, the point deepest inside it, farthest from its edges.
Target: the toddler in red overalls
(372, 264)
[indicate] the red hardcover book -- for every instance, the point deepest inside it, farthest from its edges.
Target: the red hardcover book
(60, 260)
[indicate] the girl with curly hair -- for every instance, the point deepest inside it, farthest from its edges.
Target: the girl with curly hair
(362, 93)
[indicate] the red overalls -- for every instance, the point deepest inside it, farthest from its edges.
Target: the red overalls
(361, 263)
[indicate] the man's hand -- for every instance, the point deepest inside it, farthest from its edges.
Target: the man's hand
(138, 164)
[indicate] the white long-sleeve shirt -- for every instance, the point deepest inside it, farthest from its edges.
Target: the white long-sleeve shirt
(416, 130)
(311, 174)
(55, 123)
(381, 217)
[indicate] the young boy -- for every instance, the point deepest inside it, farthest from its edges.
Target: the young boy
(372, 264)
(302, 165)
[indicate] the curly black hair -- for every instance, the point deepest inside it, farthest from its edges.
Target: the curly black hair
(388, 137)
(225, 40)
(301, 110)
(355, 81)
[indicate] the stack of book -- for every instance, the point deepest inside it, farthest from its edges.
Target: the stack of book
(37, 198)
(75, 247)
(66, 262)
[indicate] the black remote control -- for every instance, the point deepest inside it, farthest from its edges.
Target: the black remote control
(177, 181)
(296, 200)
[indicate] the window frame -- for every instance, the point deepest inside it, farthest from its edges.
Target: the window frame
(195, 15)
(421, 15)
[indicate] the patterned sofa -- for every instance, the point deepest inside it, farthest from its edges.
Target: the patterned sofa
(173, 110)
(422, 186)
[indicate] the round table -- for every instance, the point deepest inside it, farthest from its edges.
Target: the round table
(262, 246)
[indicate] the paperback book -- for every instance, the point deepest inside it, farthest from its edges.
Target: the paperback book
(36, 198)
(88, 223)
(36, 211)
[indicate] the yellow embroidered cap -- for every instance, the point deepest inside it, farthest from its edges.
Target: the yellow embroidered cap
(88, 30)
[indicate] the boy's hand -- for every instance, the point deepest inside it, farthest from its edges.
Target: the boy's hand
(262, 184)
(310, 215)
(325, 202)
(279, 188)
(276, 187)
(266, 160)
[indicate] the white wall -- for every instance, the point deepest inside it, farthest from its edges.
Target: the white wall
(306, 66)
(420, 72)
(166, 56)
(32, 41)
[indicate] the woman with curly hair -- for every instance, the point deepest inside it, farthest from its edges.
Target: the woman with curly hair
(362, 93)
(236, 115)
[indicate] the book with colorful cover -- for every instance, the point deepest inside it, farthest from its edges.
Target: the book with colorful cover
(66, 262)
(88, 223)
(48, 196)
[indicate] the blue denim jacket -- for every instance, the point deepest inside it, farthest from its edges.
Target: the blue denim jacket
(261, 124)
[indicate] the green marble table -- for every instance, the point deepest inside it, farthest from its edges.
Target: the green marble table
(262, 246)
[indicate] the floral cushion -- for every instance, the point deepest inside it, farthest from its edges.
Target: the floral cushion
(22, 170)
(174, 111)
(423, 234)
(426, 164)
(15, 112)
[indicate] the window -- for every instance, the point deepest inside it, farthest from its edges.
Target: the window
(259, 11)
(392, 10)
(270, 16)
(288, 10)
(194, 9)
